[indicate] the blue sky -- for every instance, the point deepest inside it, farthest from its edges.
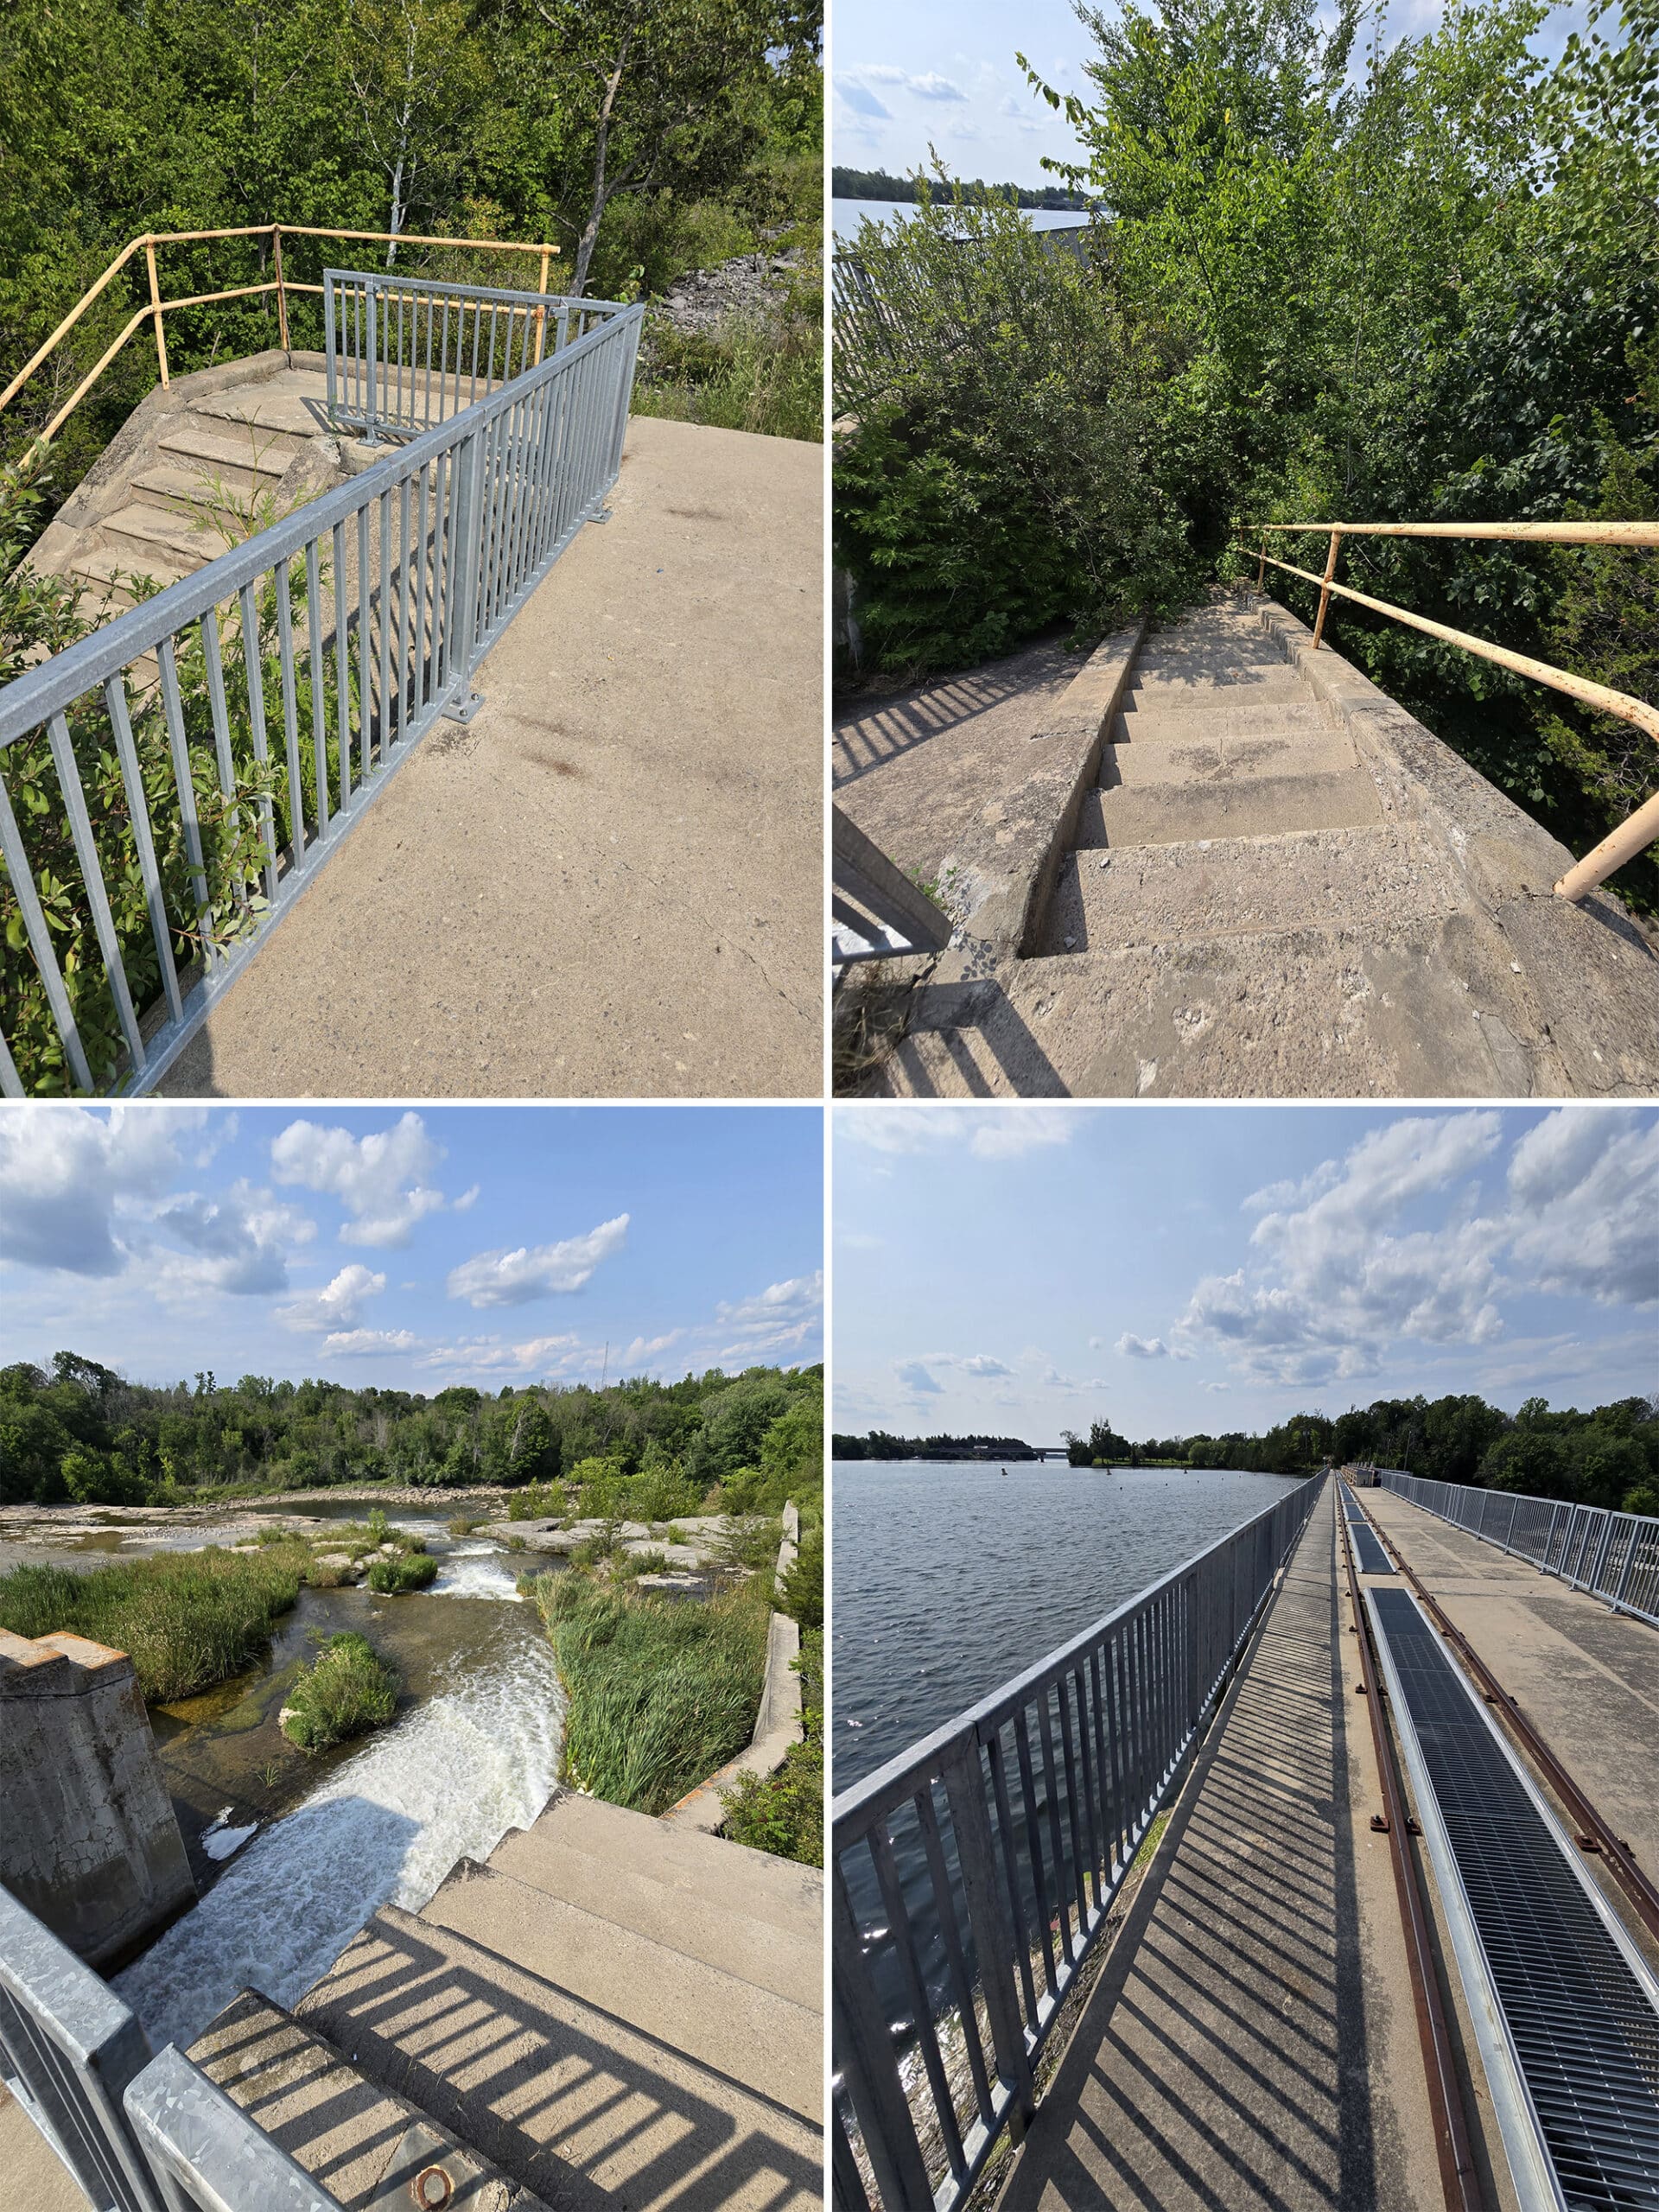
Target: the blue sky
(1023, 1270)
(943, 73)
(412, 1249)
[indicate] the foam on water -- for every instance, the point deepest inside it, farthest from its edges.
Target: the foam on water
(474, 1571)
(386, 1826)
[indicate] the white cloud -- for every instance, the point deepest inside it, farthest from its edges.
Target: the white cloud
(337, 1305)
(369, 1343)
(490, 1356)
(930, 87)
(1584, 1198)
(235, 1244)
(913, 1376)
(802, 1294)
(861, 99)
(644, 1348)
(68, 1175)
(536, 1271)
(1133, 1347)
(381, 1180)
(987, 1132)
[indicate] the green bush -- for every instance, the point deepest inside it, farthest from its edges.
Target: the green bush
(186, 1621)
(803, 1591)
(783, 1813)
(661, 1695)
(348, 1689)
(414, 1571)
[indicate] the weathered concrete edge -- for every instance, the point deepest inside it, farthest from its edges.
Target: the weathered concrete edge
(778, 1723)
(1007, 873)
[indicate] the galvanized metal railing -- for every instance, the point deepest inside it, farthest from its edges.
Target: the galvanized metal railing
(1615, 1556)
(1639, 830)
(877, 912)
(971, 1876)
(69, 2049)
(231, 728)
(138, 2134)
(402, 353)
(277, 285)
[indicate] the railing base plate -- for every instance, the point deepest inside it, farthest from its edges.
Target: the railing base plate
(462, 709)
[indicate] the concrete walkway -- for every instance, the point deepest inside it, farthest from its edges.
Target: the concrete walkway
(609, 883)
(1250, 2042)
(1586, 1677)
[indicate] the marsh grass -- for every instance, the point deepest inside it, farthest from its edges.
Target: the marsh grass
(661, 1694)
(393, 1577)
(348, 1689)
(186, 1623)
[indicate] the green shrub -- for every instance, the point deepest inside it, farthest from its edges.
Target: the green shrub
(783, 1813)
(661, 1695)
(187, 1622)
(803, 1590)
(348, 1689)
(414, 1571)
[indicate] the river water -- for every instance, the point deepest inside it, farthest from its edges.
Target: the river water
(474, 1751)
(846, 215)
(951, 1577)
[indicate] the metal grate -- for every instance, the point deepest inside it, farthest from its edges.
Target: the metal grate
(1369, 1555)
(1583, 2025)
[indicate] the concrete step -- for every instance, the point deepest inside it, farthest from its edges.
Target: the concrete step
(566, 2098)
(290, 403)
(244, 458)
(1186, 893)
(1226, 717)
(177, 538)
(737, 2028)
(1257, 682)
(361, 2143)
(720, 1931)
(100, 567)
(1228, 759)
(776, 1891)
(1253, 806)
(186, 491)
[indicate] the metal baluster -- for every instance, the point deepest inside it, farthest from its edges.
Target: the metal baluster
(255, 674)
(183, 778)
(81, 829)
(385, 627)
(1032, 1825)
(1010, 1855)
(1069, 1768)
(22, 879)
(904, 1949)
(319, 686)
(115, 702)
(864, 2049)
(405, 646)
(342, 668)
(365, 649)
(290, 716)
(945, 1901)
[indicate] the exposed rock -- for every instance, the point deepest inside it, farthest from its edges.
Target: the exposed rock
(753, 285)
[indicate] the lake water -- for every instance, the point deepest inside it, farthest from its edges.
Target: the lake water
(951, 1577)
(846, 215)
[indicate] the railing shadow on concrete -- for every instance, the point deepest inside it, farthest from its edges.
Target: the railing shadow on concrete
(1613, 1556)
(462, 2035)
(285, 683)
(1640, 829)
(971, 1876)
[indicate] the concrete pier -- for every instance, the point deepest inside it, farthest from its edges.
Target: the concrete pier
(89, 1842)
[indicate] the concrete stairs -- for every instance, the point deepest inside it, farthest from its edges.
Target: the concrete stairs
(1280, 885)
(610, 2013)
(196, 468)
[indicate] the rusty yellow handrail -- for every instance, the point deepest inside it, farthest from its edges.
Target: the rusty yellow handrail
(157, 307)
(1641, 829)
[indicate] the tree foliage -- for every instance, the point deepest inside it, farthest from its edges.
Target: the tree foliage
(1417, 285)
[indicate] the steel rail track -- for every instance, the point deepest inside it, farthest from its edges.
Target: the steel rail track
(1460, 2179)
(1594, 1832)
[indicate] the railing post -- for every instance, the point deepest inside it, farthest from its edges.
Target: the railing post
(541, 312)
(282, 290)
(373, 426)
(465, 556)
(1261, 564)
(331, 393)
(156, 308)
(1631, 837)
(1324, 587)
(987, 1917)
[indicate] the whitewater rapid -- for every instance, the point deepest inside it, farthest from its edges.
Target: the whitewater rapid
(448, 1781)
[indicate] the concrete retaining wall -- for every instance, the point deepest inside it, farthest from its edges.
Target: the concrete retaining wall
(88, 1841)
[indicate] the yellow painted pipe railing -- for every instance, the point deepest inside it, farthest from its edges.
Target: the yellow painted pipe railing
(1642, 828)
(157, 307)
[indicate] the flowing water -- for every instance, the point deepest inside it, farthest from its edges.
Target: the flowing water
(473, 1752)
(953, 1576)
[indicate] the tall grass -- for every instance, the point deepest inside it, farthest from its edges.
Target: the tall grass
(185, 1623)
(348, 1689)
(755, 374)
(661, 1695)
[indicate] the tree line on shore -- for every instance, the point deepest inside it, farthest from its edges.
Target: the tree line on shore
(83, 1434)
(902, 191)
(1608, 1456)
